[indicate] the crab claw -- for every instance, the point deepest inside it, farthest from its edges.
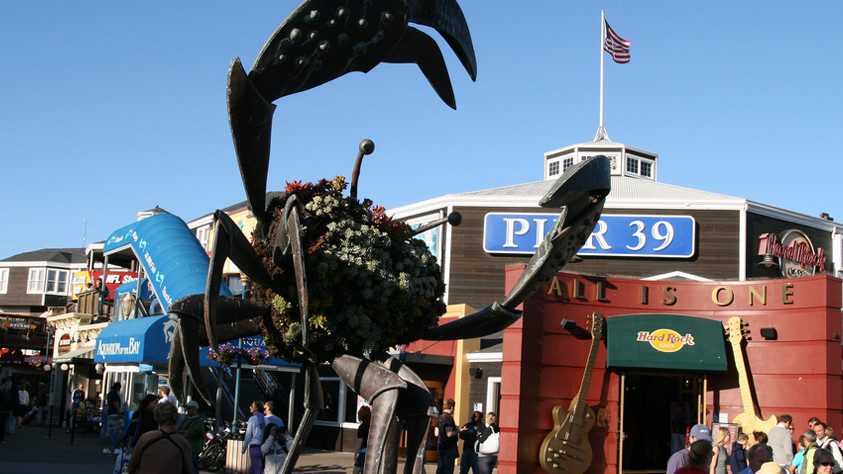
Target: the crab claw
(581, 192)
(238, 318)
(446, 17)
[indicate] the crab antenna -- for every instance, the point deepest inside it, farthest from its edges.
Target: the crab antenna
(366, 148)
(454, 218)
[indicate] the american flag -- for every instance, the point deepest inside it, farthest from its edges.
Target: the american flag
(615, 45)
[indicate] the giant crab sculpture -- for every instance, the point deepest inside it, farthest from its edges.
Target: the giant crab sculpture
(389, 286)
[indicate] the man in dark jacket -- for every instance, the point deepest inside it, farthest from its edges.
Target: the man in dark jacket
(446, 434)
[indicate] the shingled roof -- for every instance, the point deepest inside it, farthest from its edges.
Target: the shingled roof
(70, 255)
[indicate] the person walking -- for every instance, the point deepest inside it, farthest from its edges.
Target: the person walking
(14, 394)
(254, 437)
(42, 396)
(364, 414)
(468, 433)
(23, 404)
(720, 455)
(780, 440)
(446, 439)
(114, 421)
(276, 445)
(269, 416)
(162, 450)
(487, 457)
(77, 397)
(5, 406)
(192, 427)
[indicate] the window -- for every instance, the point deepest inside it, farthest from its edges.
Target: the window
(632, 165)
(567, 163)
(647, 168)
(4, 280)
(56, 282)
(35, 284)
(202, 235)
(553, 168)
(235, 285)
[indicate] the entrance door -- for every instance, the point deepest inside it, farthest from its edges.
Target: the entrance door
(656, 412)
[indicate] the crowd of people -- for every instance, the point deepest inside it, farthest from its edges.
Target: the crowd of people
(774, 452)
(481, 442)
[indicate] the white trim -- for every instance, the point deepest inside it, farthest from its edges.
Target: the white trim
(484, 356)
(200, 221)
(4, 280)
(673, 275)
(490, 399)
(118, 369)
(742, 244)
(38, 277)
(44, 263)
(447, 237)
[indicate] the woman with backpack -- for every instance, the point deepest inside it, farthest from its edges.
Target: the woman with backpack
(162, 450)
(488, 445)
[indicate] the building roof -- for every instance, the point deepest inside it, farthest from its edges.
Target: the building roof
(623, 188)
(69, 255)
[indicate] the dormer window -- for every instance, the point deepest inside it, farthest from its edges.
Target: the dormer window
(647, 168)
(632, 165)
(567, 163)
(4, 280)
(553, 168)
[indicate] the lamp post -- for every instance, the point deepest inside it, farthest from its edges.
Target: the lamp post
(237, 385)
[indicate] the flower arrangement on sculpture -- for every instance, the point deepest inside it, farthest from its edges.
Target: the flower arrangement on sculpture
(226, 354)
(371, 284)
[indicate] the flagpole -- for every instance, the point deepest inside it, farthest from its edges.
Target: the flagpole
(601, 132)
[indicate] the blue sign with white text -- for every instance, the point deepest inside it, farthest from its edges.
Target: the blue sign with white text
(616, 235)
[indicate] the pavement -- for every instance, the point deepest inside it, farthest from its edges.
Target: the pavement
(31, 450)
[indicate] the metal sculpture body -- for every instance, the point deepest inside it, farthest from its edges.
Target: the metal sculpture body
(320, 41)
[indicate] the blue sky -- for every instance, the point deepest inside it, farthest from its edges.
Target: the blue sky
(109, 108)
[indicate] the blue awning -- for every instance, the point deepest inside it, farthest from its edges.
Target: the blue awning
(147, 341)
(141, 340)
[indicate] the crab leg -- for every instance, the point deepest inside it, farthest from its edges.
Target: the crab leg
(228, 242)
(581, 192)
(382, 388)
(416, 407)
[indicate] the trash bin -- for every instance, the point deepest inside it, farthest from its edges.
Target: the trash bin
(235, 461)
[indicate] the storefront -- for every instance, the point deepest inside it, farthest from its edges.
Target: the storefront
(659, 249)
(134, 352)
(710, 350)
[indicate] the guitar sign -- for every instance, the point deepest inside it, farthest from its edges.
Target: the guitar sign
(566, 448)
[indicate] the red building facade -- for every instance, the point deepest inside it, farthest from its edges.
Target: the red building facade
(794, 368)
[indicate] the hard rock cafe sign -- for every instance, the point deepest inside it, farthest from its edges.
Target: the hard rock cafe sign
(793, 252)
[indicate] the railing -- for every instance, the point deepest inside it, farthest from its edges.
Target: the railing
(88, 302)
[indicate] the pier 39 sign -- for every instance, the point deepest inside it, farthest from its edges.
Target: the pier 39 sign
(615, 235)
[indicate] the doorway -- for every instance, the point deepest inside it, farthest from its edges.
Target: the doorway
(657, 410)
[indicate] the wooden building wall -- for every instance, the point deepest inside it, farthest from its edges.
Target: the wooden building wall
(476, 277)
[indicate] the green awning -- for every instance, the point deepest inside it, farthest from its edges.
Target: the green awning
(666, 341)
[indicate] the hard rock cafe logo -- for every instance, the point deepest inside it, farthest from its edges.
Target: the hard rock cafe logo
(665, 340)
(794, 251)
